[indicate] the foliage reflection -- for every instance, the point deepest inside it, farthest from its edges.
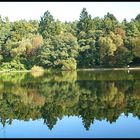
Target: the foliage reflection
(88, 95)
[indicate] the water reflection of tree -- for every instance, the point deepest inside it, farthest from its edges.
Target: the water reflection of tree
(53, 96)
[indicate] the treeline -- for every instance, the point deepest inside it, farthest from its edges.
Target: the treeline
(86, 43)
(55, 95)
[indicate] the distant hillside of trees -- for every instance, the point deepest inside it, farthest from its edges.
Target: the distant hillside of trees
(86, 43)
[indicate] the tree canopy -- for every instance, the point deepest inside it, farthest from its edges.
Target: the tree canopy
(85, 43)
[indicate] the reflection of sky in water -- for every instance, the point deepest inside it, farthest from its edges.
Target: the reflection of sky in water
(72, 127)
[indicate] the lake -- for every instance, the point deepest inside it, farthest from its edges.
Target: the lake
(78, 104)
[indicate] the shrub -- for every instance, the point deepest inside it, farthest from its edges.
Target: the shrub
(1, 58)
(69, 64)
(37, 71)
(12, 66)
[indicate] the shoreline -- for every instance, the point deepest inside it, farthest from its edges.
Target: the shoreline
(90, 69)
(107, 69)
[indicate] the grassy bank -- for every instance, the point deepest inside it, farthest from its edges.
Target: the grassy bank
(6, 71)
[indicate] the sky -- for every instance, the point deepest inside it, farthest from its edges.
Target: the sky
(68, 11)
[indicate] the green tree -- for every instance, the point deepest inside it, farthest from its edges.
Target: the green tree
(86, 40)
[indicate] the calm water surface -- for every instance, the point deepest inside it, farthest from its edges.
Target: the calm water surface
(79, 104)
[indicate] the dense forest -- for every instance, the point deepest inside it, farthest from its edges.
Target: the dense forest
(86, 43)
(54, 95)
